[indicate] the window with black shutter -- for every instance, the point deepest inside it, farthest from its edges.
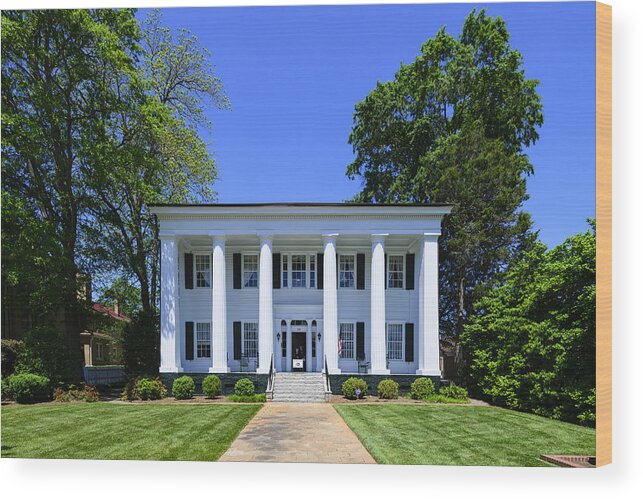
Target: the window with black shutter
(236, 333)
(360, 341)
(189, 270)
(276, 270)
(410, 271)
(320, 271)
(361, 258)
(189, 340)
(409, 342)
(236, 270)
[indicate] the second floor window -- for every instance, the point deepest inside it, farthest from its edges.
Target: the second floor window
(346, 271)
(202, 270)
(250, 271)
(396, 271)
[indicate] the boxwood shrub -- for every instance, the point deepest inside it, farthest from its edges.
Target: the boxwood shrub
(455, 392)
(244, 388)
(149, 389)
(25, 388)
(211, 386)
(422, 389)
(388, 389)
(354, 388)
(183, 388)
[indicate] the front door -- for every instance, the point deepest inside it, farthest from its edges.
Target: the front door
(299, 351)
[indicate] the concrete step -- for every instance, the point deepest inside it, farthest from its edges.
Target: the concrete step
(299, 388)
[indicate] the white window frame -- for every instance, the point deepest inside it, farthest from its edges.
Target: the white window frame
(339, 272)
(287, 271)
(389, 271)
(353, 324)
(99, 351)
(196, 339)
(194, 270)
(243, 338)
(402, 342)
(243, 270)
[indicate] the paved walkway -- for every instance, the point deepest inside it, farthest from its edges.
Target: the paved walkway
(297, 433)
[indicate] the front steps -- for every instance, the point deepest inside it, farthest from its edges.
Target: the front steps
(299, 387)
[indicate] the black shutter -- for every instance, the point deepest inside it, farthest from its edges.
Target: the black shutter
(385, 271)
(320, 271)
(189, 340)
(236, 331)
(276, 270)
(360, 270)
(359, 340)
(236, 270)
(189, 271)
(409, 342)
(410, 271)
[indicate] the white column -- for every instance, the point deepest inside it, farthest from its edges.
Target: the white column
(309, 347)
(170, 329)
(378, 306)
(265, 304)
(219, 320)
(330, 304)
(288, 345)
(428, 334)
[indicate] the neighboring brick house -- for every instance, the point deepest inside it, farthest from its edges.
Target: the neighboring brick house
(100, 341)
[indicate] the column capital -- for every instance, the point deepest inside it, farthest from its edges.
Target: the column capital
(167, 236)
(378, 238)
(329, 238)
(265, 238)
(431, 236)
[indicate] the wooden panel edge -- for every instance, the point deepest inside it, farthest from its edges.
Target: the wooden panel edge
(603, 234)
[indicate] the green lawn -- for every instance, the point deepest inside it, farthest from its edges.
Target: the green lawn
(462, 435)
(122, 431)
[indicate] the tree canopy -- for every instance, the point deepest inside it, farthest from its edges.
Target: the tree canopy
(452, 128)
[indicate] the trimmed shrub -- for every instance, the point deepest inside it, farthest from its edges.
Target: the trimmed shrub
(211, 386)
(388, 389)
(10, 349)
(148, 389)
(26, 388)
(86, 393)
(257, 397)
(422, 389)
(354, 388)
(244, 388)
(455, 392)
(183, 388)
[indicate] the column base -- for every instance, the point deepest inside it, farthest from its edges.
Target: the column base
(262, 371)
(219, 370)
(335, 370)
(170, 369)
(428, 372)
(379, 371)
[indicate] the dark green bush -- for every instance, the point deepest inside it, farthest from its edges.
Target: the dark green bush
(454, 391)
(354, 388)
(388, 389)
(244, 388)
(45, 352)
(211, 386)
(26, 388)
(10, 349)
(149, 389)
(422, 388)
(183, 388)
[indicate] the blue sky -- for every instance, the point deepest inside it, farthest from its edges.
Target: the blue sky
(294, 74)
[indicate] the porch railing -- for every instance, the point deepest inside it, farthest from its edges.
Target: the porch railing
(326, 379)
(270, 388)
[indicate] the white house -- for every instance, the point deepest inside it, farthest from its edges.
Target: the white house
(300, 284)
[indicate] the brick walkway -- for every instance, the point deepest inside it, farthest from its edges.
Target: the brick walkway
(297, 433)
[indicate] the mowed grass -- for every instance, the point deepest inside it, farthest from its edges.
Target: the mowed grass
(99, 430)
(462, 435)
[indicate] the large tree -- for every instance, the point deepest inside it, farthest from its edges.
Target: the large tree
(452, 128)
(56, 66)
(531, 341)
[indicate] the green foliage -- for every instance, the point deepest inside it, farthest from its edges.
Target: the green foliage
(86, 393)
(141, 346)
(211, 386)
(244, 388)
(531, 343)
(125, 293)
(388, 389)
(422, 388)
(257, 397)
(45, 352)
(183, 388)
(452, 128)
(26, 388)
(354, 388)
(454, 391)
(10, 349)
(149, 389)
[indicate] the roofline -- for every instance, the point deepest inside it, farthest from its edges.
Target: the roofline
(298, 205)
